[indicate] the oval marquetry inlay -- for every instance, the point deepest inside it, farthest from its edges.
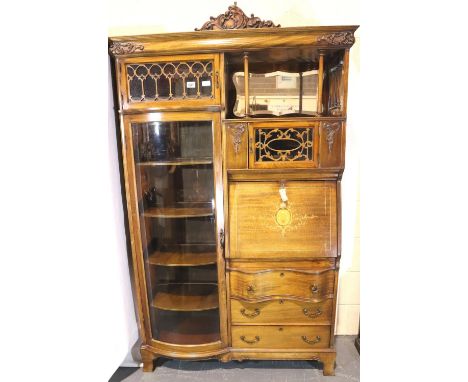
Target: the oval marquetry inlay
(283, 217)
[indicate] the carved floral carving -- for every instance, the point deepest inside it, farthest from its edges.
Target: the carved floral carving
(125, 47)
(236, 132)
(331, 129)
(235, 18)
(338, 38)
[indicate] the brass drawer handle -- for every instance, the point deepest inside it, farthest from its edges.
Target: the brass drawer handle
(315, 314)
(250, 342)
(255, 313)
(311, 342)
(314, 288)
(251, 289)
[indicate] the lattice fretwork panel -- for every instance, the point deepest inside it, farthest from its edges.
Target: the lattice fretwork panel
(284, 144)
(170, 81)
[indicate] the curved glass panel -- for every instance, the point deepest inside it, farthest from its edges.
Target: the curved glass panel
(175, 186)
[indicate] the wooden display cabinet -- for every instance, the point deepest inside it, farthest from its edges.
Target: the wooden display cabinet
(233, 141)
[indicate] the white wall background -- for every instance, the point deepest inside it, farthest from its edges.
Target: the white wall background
(124, 293)
(67, 312)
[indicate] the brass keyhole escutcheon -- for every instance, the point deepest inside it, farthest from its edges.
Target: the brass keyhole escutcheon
(250, 289)
(281, 301)
(314, 288)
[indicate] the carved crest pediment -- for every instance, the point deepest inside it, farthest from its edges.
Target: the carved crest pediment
(235, 18)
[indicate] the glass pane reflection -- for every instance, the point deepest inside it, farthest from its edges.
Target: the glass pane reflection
(175, 187)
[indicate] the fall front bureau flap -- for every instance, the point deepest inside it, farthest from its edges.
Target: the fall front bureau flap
(294, 219)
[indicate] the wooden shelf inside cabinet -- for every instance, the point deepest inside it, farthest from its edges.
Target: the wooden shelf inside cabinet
(188, 339)
(177, 162)
(184, 259)
(186, 297)
(178, 212)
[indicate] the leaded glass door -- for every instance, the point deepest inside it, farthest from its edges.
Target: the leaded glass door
(170, 81)
(175, 160)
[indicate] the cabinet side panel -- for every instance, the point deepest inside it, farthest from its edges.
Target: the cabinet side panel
(236, 145)
(332, 139)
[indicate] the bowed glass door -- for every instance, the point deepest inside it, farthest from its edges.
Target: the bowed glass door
(175, 166)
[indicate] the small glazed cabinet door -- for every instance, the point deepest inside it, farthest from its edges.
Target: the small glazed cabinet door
(173, 168)
(292, 219)
(283, 145)
(170, 82)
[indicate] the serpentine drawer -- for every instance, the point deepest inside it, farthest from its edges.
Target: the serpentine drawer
(281, 311)
(262, 285)
(280, 337)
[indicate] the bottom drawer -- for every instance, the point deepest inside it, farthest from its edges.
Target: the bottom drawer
(280, 337)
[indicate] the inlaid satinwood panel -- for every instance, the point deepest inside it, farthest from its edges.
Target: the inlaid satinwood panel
(264, 284)
(263, 225)
(281, 311)
(280, 337)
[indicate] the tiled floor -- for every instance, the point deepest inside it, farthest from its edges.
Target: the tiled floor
(347, 369)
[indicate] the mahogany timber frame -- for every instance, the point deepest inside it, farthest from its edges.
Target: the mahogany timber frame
(231, 33)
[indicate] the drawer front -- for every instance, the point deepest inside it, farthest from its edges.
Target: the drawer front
(263, 226)
(265, 284)
(170, 82)
(280, 337)
(283, 145)
(281, 312)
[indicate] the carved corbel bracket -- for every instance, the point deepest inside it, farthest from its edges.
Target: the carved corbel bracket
(235, 18)
(236, 134)
(331, 128)
(117, 48)
(338, 38)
